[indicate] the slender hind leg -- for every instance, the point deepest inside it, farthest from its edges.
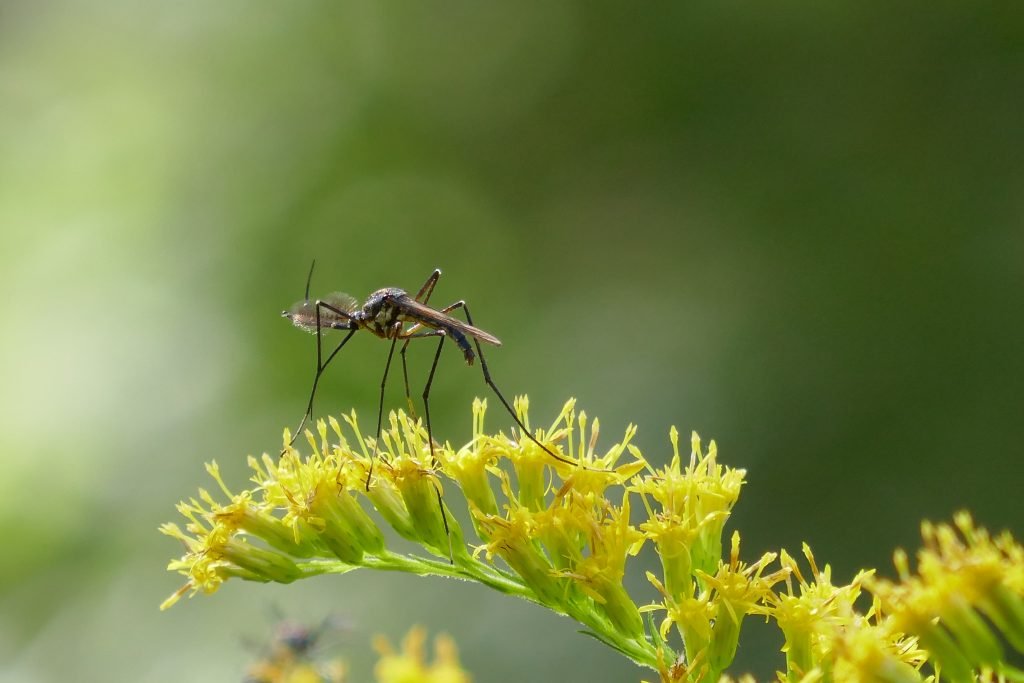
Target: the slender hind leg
(430, 439)
(426, 394)
(490, 382)
(380, 411)
(426, 411)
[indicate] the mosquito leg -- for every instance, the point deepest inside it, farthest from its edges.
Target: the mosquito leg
(423, 297)
(320, 365)
(428, 287)
(497, 392)
(309, 278)
(405, 377)
(316, 381)
(444, 518)
(426, 394)
(430, 437)
(426, 410)
(380, 411)
(411, 333)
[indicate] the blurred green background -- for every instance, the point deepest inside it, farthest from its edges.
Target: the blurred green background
(794, 227)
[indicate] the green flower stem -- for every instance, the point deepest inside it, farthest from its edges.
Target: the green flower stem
(639, 650)
(424, 566)
(323, 566)
(420, 566)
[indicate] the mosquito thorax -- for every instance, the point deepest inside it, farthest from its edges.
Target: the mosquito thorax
(380, 307)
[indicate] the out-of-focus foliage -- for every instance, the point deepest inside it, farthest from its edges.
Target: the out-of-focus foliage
(794, 226)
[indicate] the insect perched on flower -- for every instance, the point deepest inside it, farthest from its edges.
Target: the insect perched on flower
(290, 655)
(390, 313)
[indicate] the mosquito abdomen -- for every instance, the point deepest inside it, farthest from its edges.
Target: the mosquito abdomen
(463, 343)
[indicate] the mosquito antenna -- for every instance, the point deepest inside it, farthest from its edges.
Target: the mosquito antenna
(309, 278)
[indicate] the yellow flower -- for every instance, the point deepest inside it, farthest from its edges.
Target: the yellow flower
(215, 550)
(560, 534)
(530, 462)
(561, 540)
(407, 467)
(597, 471)
(812, 618)
(511, 538)
(473, 464)
(709, 623)
(411, 665)
(610, 540)
(693, 617)
(739, 589)
(317, 497)
(697, 499)
(582, 536)
(966, 602)
(874, 652)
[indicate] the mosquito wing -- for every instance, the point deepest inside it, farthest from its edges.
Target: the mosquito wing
(431, 317)
(303, 313)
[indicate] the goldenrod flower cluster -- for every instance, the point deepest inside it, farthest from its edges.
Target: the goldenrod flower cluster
(290, 657)
(562, 534)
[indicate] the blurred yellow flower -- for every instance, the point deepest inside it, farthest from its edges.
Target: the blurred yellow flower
(966, 602)
(410, 665)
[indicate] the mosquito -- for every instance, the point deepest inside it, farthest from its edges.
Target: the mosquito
(392, 314)
(296, 648)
